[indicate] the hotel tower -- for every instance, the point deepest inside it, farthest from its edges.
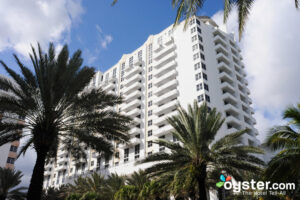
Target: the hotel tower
(175, 66)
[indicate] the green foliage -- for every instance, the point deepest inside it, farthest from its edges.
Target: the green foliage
(195, 163)
(285, 140)
(127, 192)
(9, 179)
(74, 196)
(55, 107)
(90, 196)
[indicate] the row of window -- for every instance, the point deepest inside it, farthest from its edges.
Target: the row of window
(200, 98)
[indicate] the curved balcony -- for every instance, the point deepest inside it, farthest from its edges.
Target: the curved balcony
(165, 51)
(134, 95)
(168, 96)
(163, 119)
(131, 105)
(167, 107)
(166, 78)
(165, 69)
(171, 56)
(131, 71)
(132, 88)
(166, 87)
(132, 79)
(163, 130)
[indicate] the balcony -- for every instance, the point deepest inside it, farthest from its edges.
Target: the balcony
(62, 160)
(220, 40)
(47, 173)
(131, 105)
(158, 47)
(220, 48)
(163, 119)
(168, 40)
(131, 71)
(233, 120)
(167, 97)
(166, 87)
(137, 121)
(167, 107)
(222, 57)
(134, 141)
(62, 153)
(168, 58)
(132, 79)
(133, 113)
(163, 130)
(165, 51)
(132, 88)
(171, 75)
(133, 95)
(108, 86)
(138, 62)
(165, 69)
(135, 131)
(222, 66)
(229, 98)
(61, 167)
(231, 108)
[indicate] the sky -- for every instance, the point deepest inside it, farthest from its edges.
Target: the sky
(270, 44)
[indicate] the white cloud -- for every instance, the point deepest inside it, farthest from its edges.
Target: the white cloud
(27, 22)
(270, 47)
(103, 38)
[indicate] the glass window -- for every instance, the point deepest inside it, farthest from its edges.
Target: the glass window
(149, 133)
(150, 143)
(149, 103)
(200, 98)
(204, 76)
(199, 87)
(197, 66)
(206, 87)
(207, 98)
(150, 123)
(149, 112)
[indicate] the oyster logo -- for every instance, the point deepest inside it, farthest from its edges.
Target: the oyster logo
(223, 180)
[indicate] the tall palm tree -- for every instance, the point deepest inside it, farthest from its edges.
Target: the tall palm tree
(9, 179)
(56, 108)
(196, 156)
(285, 165)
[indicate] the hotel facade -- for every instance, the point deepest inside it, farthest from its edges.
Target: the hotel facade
(176, 66)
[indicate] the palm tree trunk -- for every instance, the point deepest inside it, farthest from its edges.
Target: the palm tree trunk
(202, 189)
(37, 178)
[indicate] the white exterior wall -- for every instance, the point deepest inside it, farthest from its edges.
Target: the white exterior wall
(173, 81)
(4, 150)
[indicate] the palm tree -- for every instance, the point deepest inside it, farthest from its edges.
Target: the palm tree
(188, 8)
(285, 165)
(112, 185)
(57, 109)
(197, 156)
(9, 179)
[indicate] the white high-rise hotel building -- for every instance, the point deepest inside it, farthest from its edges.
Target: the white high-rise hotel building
(175, 66)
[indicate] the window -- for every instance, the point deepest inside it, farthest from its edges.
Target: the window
(150, 123)
(13, 148)
(149, 85)
(10, 160)
(149, 103)
(71, 170)
(137, 136)
(126, 155)
(200, 38)
(193, 30)
(199, 30)
(150, 143)
(106, 164)
(194, 38)
(205, 86)
(198, 76)
(202, 56)
(123, 66)
(137, 151)
(149, 112)
(201, 47)
(159, 40)
(192, 21)
(117, 155)
(196, 56)
(140, 53)
(204, 76)
(198, 22)
(149, 133)
(197, 66)
(199, 87)
(207, 98)
(150, 69)
(92, 163)
(195, 47)
(150, 77)
(150, 94)
(114, 72)
(200, 98)
(131, 61)
(149, 53)
(203, 66)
